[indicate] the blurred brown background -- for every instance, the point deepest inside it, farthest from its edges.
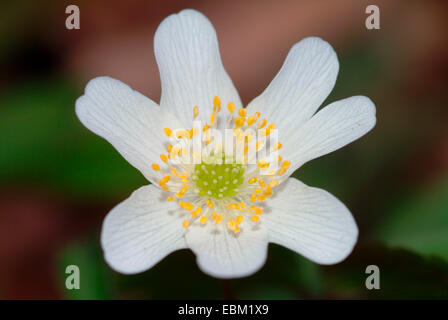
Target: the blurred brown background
(57, 180)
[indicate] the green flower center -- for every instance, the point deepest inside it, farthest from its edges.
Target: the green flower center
(218, 180)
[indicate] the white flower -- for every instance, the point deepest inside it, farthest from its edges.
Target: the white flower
(225, 213)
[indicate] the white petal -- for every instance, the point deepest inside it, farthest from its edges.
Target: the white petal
(305, 80)
(141, 231)
(191, 71)
(223, 254)
(311, 222)
(131, 122)
(331, 128)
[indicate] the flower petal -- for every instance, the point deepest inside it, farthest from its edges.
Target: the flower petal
(311, 222)
(331, 128)
(141, 231)
(191, 71)
(131, 122)
(223, 254)
(305, 80)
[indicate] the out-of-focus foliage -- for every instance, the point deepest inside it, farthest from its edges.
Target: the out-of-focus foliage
(419, 222)
(44, 142)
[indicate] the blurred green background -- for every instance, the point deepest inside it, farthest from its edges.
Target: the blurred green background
(58, 180)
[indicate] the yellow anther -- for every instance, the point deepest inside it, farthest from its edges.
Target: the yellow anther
(214, 215)
(252, 180)
(279, 158)
(209, 203)
(164, 158)
(255, 218)
(258, 145)
(258, 210)
(257, 115)
(232, 206)
(251, 120)
(173, 172)
(170, 198)
(203, 220)
(193, 132)
(186, 223)
(258, 190)
(168, 132)
(155, 167)
(261, 198)
(231, 224)
(169, 148)
(181, 193)
(271, 126)
(242, 112)
(261, 124)
(253, 197)
(263, 164)
(206, 127)
(195, 112)
(165, 179)
(196, 212)
(186, 205)
(281, 171)
(273, 183)
(164, 187)
(231, 107)
(277, 146)
(239, 122)
(261, 183)
(268, 191)
(236, 229)
(182, 134)
(216, 101)
(286, 164)
(218, 218)
(239, 219)
(212, 118)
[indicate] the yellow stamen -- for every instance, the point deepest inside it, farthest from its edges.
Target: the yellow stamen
(242, 112)
(231, 107)
(261, 124)
(186, 205)
(239, 122)
(252, 180)
(273, 183)
(155, 167)
(255, 218)
(186, 223)
(277, 146)
(164, 158)
(281, 171)
(239, 219)
(209, 204)
(168, 132)
(251, 120)
(286, 164)
(170, 198)
(203, 220)
(195, 112)
(217, 102)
